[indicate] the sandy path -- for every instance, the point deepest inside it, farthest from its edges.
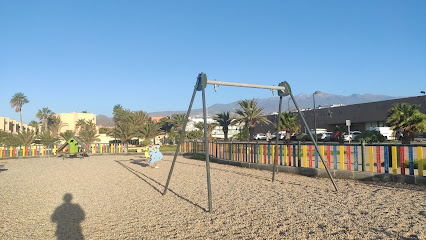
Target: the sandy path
(121, 199)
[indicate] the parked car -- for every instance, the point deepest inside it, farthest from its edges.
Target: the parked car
(387, 132)
(349, 137)
(326, 137)
(260, 136)
(281, 137)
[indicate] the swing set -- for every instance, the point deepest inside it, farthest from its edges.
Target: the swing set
(283, 89)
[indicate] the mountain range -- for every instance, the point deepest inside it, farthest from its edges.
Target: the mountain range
(270, 105)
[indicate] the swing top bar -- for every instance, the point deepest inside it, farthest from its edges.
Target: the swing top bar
(214, 82)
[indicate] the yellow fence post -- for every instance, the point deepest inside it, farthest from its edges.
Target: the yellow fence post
(371, 158)
(420, 160)
(305, 157)
(342, 158)
(322, 154)
(394, 160)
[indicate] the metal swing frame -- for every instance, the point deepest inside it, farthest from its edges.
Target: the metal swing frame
(200, 85)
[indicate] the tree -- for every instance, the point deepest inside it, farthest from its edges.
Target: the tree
(87, 132)
(177, 121)
(47, 138)
(408, 119)
(210, 128)
(44, 114)
(224, 120)
(194, 135)
(370, 137)
(35, 125)
(289, 123)
(67, 135)
(339, 130)
(80, 124)
(149, 130)
(9, 139)
(26, 137)
(17, 101)
(55, 125)
(165, 125)
(123, 131)
(250, 115)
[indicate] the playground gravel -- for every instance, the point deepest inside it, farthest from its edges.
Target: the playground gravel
(119, 197)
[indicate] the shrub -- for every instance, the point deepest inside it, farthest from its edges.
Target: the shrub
(370, 137)
(416, 163)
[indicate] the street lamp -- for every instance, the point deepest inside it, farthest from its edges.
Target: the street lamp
(424, 97)
(315, 120)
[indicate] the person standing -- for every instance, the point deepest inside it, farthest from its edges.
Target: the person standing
(268, 136)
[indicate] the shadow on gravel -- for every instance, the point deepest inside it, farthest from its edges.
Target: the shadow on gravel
(138, 174)
(241, 174)
(68, 217)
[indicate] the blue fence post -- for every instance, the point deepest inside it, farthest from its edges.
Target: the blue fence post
(269, 153)
(246, 151)
(238, 151)
(316, 158)
(281, 155)
(356, 158)
(335, 156)
(294, 156)
(410, 160)
(386, 153)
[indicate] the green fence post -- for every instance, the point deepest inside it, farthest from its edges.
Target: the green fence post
(363, 155)
(230, 151)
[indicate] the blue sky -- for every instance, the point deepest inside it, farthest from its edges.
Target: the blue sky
(145, 55)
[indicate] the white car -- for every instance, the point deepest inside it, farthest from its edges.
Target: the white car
(349, 137)
(260, 136)
(282, 135)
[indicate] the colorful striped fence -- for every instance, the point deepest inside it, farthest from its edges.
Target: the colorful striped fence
(40, 150)
(372, 158)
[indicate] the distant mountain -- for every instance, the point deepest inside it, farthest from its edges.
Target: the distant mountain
(270, 105)
(102, 120)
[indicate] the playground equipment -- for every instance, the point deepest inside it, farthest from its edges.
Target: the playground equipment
(283, 90)
(155, 154)
(73, 148)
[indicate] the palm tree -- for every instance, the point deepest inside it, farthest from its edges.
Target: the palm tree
(224, 120)
(177, 121)
(87, 131)
(55, 125)
(289, 123)
(80, 124)
(26, 137)
(34, 124)
(16, 102)
(47, 138)
(165, 124)
(67, 135)
(89, 136)
(150, 130)
(210, 128)
(123, 131)
(408, 119)
(250, 115)
(44, 114)
(339, 130)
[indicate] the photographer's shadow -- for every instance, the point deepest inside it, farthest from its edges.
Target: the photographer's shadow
(68, 217)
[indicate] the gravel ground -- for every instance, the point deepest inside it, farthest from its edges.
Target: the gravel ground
(119, 197)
